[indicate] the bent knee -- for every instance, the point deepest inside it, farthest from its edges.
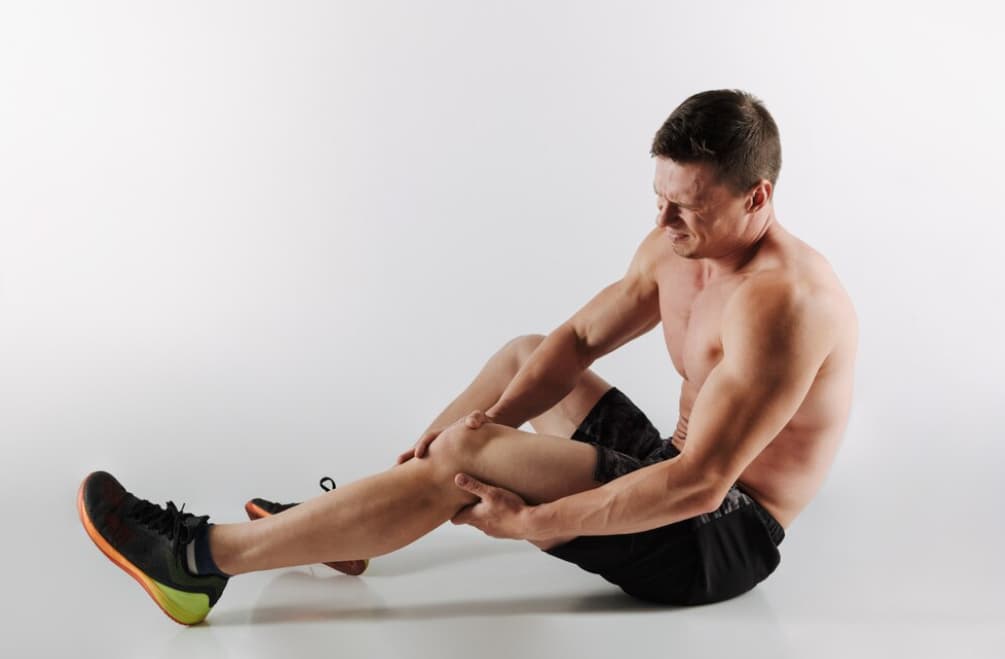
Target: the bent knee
(458, 446)
(522, 346)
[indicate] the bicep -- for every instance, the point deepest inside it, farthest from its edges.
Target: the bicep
(772, 352)
(622, 311)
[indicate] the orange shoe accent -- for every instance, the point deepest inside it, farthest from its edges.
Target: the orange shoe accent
(353, 568)
(113, 555)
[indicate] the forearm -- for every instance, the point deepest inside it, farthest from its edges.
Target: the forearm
(547, 376)
(660, 494)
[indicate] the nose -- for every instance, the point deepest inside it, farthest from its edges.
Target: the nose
(665, 215)
(661, 217)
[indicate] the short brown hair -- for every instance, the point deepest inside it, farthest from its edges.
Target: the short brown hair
(729, 128)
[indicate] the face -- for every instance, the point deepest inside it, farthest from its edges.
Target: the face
(701, 216)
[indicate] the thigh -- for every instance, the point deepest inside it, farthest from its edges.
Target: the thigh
(568, 414)
(617, 424)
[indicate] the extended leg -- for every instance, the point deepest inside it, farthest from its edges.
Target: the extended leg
(157, 545)
(390, 509)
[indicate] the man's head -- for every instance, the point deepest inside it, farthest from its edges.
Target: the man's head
(717, 161)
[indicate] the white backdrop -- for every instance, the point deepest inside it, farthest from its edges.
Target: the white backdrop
(244, 244)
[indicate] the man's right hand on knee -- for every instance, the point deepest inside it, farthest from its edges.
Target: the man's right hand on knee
(473, 420)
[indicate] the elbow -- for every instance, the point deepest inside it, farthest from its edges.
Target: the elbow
(712, 496)
(584, 355)
(706, 489)
(710, 502)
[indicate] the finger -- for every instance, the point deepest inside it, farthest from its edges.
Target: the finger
(466, 482)
(423, 446)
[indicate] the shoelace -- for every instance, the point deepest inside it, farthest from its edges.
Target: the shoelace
(171, 522)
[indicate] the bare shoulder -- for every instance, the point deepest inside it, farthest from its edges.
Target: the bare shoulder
(818, 280)
(662, 264)
(653, 251)
(800, 286)
(797, 269)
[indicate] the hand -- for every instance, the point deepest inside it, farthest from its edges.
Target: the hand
(500, 513)
(474, 420)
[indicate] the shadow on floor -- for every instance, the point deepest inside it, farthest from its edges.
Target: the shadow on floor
(357, 601)
(297, 597)
(298, 614)
(417, 559)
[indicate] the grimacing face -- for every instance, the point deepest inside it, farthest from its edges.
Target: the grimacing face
(701, 216)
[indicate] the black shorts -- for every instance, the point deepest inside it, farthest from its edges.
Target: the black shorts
(703, 559)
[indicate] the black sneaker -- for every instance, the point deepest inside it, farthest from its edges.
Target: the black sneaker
(258, 508)
(148, 542)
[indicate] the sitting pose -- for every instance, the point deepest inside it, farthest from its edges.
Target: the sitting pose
(756, 323)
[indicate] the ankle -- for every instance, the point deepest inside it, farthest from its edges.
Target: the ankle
(199, 554)
(225, 546)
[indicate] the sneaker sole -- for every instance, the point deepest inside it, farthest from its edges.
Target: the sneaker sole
(176, 604)
(352, 568)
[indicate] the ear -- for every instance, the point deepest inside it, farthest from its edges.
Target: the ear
(758, 196)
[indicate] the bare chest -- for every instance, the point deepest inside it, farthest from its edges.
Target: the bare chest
(692, 324)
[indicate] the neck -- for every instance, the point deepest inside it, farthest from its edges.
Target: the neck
(761, 231)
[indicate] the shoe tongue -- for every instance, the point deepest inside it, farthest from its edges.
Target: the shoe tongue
(193, 522)
(159, 516)
(186, 528)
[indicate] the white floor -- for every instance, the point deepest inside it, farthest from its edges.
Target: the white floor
(906, 578)
(245, 245)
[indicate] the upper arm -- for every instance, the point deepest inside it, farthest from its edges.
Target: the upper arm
(775, 338)
(624, 310)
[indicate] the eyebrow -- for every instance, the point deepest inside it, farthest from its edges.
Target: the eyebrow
(676, 203)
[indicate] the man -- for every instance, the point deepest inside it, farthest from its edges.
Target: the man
(755, 322)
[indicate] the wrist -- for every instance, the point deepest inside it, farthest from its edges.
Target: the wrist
(497, 417)
(536, 524)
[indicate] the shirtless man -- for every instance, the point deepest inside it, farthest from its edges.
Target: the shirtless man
(756, 323)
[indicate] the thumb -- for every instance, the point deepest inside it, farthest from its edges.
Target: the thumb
(470, 484)
(463, 516)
